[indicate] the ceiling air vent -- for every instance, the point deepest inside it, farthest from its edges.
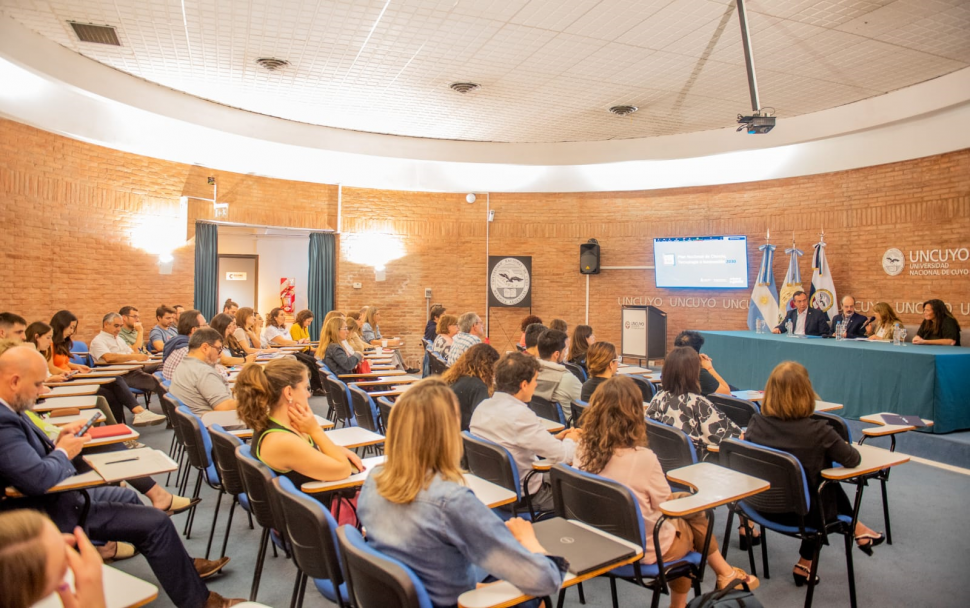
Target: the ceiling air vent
(464, 87)
(623, 110)
(98, 34)
(272, 63)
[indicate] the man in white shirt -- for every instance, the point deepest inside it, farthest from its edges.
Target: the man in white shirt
(196, 381)
(108, 347)
(556, 383)
(506, 420)
(470, 330)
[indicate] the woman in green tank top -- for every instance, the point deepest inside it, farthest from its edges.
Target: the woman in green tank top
(273, 401)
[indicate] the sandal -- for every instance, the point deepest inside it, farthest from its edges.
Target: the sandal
(122, 551)
(801, 579)
(180, 504)
(874, 540)
(746, 532)
(750, 581)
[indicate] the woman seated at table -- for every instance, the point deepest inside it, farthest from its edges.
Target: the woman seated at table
(326, 318)
(233, 352)
(785, 423)
(939, 326)
(273, 400)
(353, 337)
(332, 351)
(247, 332)
(602, 364)
(300, 331)
(117, 394)
(579, 343)
(614, 445)
(370, 331)
(416, 508)
(882, 327)
(526, 322)
(680, 403)
(275, 333)
(447, 329)
(35, 558)
(472, 378)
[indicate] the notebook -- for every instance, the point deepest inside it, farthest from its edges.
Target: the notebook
(110, 430)
(584, 549)
(903, 420)
(130, 464)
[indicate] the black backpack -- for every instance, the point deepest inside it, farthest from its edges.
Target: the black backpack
(732, 596)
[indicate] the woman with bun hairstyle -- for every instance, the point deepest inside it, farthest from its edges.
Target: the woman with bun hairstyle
(273, 400)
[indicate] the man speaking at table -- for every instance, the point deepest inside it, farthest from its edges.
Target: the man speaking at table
(805, 321)
(855, 324)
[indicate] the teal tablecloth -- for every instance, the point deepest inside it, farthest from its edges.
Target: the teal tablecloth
(932, 382)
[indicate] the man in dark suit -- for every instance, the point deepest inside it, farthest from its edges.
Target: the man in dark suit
(805, 321)
(32, 463)
(855, 324)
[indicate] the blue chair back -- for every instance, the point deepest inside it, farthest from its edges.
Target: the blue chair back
(605, 504)
(578, 408)
(198, 444)
(550, 410)
(374, 579)
(576, 370)
(161, 378)
(256, 478)
(647, 388)
(673, 447)
(836, 422)
(339, 396)
(739, 411)
(365, 410)
(224, 446)
(384, 405)
(80, 347)
(789, 491)
(492, 462)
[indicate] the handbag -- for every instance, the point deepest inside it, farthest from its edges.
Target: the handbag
(732, 596)
(363, 367)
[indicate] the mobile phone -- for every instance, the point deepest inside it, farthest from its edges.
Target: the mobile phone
(88, 424)
(353, 469)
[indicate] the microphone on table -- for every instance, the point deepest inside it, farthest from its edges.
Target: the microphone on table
(871, 319)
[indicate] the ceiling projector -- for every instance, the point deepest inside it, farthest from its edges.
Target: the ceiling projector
(757, 124)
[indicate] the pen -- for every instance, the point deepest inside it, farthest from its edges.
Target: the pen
(125, 460)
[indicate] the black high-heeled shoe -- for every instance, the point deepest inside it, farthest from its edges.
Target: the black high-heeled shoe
(743, 538)
(874, 540)
(801, 579)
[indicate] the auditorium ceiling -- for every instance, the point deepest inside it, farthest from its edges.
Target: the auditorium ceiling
(548, 70)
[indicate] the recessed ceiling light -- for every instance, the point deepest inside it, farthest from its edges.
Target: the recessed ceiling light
(272, 64)
(465, 87)
(623, 110)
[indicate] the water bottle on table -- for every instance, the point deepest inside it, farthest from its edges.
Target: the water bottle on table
(790, 328)
(897, 330)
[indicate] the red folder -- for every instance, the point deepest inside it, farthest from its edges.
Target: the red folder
(111, 430)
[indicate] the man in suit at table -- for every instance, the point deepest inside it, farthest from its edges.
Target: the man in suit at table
(855, 324)
(32, 463)
(805, 321)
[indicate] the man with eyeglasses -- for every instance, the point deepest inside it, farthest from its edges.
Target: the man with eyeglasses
(470, 332)
(132, 331)
(108, 347)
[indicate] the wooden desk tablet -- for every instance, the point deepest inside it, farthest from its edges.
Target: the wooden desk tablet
(354, 437)
(873, 459)
(825, 406)
(121, 590)
(65, 420)
(887, 429)
(125, 364)
(386, 381)
(229, 418)
(631, 369)
(373, 375)
(502, 594)
(125, 367)
(551, 425)
(82, 382)
(491, 494)
(91, 479)
(715, 485)
(395, 392)
(542, 465)
(103, 373)
(749, 395)
(877, 419)
(132, 435)
(55, 402)
(72, 390)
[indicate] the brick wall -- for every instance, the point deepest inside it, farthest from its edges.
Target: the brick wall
(69, 210)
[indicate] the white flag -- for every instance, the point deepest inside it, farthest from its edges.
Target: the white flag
(764, 296)
(822, 295)
(792, 282)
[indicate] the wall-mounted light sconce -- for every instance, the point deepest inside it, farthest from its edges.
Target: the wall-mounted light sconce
(219, 210)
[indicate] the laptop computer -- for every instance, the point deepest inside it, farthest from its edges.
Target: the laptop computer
(584, 549)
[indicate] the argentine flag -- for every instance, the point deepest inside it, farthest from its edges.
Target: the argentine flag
(792, 283)
(822, 295)
(764, 296)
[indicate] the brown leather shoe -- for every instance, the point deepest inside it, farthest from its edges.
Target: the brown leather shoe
(207, 567)
(217, 601)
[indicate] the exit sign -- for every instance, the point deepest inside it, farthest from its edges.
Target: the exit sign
(235, 276)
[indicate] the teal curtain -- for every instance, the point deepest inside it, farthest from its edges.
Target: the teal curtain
(323, 278)
(206, 269)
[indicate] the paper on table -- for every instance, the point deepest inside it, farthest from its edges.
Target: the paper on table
(127, 464)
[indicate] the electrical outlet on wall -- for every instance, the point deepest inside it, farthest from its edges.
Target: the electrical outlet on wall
(357, 285)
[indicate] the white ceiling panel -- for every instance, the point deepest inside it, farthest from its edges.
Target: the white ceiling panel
(548, 69)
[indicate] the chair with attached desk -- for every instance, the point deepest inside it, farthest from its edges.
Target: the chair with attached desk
(374, 579)
(312, 533)
(384, 404)
(365, 410)
(80, 354)
(611, 507)
(339, 397)
(550, 410)
(256, 478)
(739, 411)
(438, 365)
(576, 370)
(198, 448)
(169, 404)
(647, 388)
(224, 446)
(161, 379)
(426, 360)
(673, 447)
(492, 462)
(577, 407)
(789, 493)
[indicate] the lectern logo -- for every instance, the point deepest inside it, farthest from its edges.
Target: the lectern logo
(893, 261)
(628, 325)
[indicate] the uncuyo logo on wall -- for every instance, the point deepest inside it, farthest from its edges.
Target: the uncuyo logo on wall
(893, 261)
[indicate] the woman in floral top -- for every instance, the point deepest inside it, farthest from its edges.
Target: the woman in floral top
(680, 404)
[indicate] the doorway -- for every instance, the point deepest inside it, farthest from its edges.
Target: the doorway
(239, 279)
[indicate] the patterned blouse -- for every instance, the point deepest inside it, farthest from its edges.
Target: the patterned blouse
(695, 415)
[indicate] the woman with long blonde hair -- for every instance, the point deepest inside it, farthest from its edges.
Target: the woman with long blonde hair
(331, 349)
(614, 445)
(416, 508)
(353, 336)
(885, 319)
(273, 400)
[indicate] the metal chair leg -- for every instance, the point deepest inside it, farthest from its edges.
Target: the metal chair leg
(764, 551)
(812, 573)
(849, 566)
(215, 518)
(296, 588)
(225, 539)
(613, 592)
(191, 518)
(582, 594)
(885, 509)
(260, 557)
